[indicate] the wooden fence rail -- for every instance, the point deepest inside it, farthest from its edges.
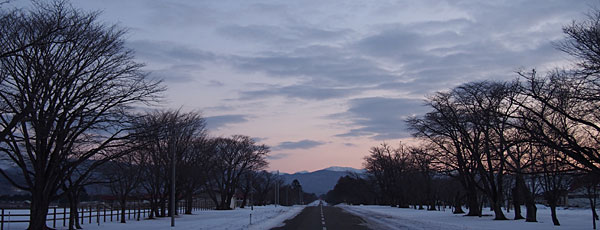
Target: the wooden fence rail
(96, 213)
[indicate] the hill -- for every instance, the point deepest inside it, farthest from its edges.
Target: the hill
(320, 181)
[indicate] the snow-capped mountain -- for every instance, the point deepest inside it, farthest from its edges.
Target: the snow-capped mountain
(344, 169)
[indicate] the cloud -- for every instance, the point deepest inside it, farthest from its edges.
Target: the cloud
(300, 91)
(379, 118)
(215, 83)
(216, 122)
(169, 52)
(278, 156)
(323, 66)
(259, 139)
(280, 35)
(303, 144)
(172, 62)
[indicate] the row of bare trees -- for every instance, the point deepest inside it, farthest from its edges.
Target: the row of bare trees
(405, 176)
(219, 167)
(71, 96)
(533, 136)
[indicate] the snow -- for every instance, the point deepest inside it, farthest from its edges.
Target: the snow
(385, 217)
(344, 169)
(263, 217)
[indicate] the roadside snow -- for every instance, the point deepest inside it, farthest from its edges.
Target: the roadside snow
(385, 217)
(263, 217)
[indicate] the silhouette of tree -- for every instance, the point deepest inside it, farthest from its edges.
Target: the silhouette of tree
(73, 90)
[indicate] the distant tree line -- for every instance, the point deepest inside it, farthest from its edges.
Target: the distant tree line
(76, 110)
(502, 143)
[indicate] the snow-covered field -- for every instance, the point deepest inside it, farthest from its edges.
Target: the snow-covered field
(263, 217)
(385, 217)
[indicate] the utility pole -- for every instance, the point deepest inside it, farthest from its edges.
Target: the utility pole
(172, 149)
(277, 191)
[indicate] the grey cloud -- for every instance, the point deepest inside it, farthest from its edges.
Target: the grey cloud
(216, 122)
(279, 35)
(259, 139)
(278, 156)
(215, 83)
(169, 52)
(179, 13)
(380, 118)
(300, 91)
(303, 144)
(330, 67)
(178, 63)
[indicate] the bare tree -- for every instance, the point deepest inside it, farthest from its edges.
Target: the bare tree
(232, 158)
(123, 176)
(571, 95)
(263, 186)
(169, 137)
(447, 130)
(472, 127)
(555, 177)
(390, 167)
(246, 187)
(192, 177)
(73, 90)
(29, 28)
(559, 114)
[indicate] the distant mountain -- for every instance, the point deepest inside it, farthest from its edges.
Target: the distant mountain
(320, 181)
(6, 188)
(345, 169)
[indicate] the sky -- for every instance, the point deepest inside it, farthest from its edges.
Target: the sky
(321, 82)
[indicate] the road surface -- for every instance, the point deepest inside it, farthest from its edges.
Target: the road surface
(323, 217)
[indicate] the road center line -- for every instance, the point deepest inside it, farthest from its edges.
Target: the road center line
(322, 217)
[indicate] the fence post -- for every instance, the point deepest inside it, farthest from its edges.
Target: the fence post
(82, 214)
(90, 219)
(104, 208)
(2, 220)
(111, 211)
(139, 212)
(64, 216)
(54, 220)
(98, 214)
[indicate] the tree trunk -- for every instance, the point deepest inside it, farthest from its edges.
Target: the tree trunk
(39, 210)
(552, 204)
(431, 205)
(529, 200)
(189, 201)
(499, 215)
(517, 202)
(123, 203)
(245, 200)
(163, 208)
(592, 198)
(73, 198)
(458, 204)
(153, 209)
(473, 204)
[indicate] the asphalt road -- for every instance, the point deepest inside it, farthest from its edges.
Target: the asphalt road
(324, 217)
